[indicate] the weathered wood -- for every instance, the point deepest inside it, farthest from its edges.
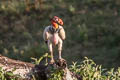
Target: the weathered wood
(43, 72)
(40, 72)
(21, 68)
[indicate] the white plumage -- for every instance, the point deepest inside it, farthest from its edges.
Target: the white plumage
(53, 39)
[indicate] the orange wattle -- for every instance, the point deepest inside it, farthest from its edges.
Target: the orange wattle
(55, 25)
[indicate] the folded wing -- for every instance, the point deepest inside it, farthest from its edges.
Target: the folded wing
(62, 34)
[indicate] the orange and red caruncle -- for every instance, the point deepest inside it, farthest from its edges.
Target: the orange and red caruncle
(56, 21)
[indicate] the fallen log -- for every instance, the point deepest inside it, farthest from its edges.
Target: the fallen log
(28, 71)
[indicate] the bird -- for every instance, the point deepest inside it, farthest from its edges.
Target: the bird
(54, 35)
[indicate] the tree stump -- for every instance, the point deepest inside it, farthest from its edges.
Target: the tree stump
(43, 72)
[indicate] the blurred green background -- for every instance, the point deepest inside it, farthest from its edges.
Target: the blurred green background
(92, 29)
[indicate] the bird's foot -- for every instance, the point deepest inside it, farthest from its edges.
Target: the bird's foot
(52, 61)
(61, 59)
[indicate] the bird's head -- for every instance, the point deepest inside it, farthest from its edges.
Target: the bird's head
(56, 21)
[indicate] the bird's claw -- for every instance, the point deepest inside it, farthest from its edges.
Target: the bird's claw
(61, 59)
(52, 62)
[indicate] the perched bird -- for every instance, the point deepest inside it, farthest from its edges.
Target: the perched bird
(54, 35)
